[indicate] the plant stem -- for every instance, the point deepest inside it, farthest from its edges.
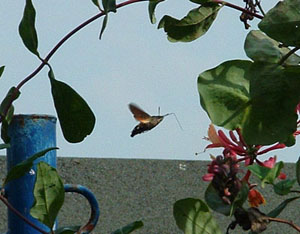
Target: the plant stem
(59, 44)
(9, 206)
(259, 7)
(285, 221)
(285, 57)
(238, 8)
(295, 191)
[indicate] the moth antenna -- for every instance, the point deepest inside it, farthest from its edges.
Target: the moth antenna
(159, 111)
(175, 118)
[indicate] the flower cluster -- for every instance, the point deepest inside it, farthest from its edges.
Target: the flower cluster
(222, 171)
(223, 174)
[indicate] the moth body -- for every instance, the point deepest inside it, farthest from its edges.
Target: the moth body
(143, 127)
(146, 121)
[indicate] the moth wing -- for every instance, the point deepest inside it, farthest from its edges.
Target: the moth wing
(139, 114)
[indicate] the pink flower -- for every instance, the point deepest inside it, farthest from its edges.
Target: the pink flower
(282, 176)
(208, 177)
(219, 139)
(298, 108)
(213, 137)
(270, 163)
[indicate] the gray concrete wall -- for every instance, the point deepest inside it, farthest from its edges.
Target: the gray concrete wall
(130, 190)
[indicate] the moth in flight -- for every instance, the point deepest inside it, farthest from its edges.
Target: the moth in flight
(146, 121)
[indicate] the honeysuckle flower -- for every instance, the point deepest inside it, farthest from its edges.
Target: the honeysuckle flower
(219, 139)
(213, 137)
(255, 198)
(237, 146)
(221, 165)
(282, 176)
(208, 177)
(270, 163)
(298, 108)
(222, 172)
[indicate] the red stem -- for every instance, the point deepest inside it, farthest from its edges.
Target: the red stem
(9, 206)
(238, 8)
(286, 222)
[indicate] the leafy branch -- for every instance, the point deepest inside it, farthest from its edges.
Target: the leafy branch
(55, 48)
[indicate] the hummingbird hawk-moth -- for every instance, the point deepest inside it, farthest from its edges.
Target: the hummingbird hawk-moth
(147, 122)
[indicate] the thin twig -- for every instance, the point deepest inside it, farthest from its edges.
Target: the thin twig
(285, 57)
(257, 2)
(296, 227)
(294, 191)
(238, 8)
(21, 216)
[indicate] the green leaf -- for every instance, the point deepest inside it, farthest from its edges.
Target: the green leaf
(259, 171)
(67, 230)
(109, 5)
(273, 173)
(5, 123)
(75, 116)
(96, 3)
(193, 216)
(22, 168)
(103, 26)
(4, 146)
(275, 212)
(27, 28)
(1, 70)
(234, 96)
(282, 22)
(224, 92)
(265, 174)
(10, 114)
(261, 48)
(284, 187)
(240, 199)
(151, 9)
(129, 228)
(274, 94)
(192, 26)
(11, 96)
(298, 170)
(4, 131)
(213, 200)
(48, 193)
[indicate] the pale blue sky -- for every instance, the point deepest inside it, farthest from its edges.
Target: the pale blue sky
(134, 62)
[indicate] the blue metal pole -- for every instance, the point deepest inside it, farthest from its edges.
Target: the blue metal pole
(29, 134)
